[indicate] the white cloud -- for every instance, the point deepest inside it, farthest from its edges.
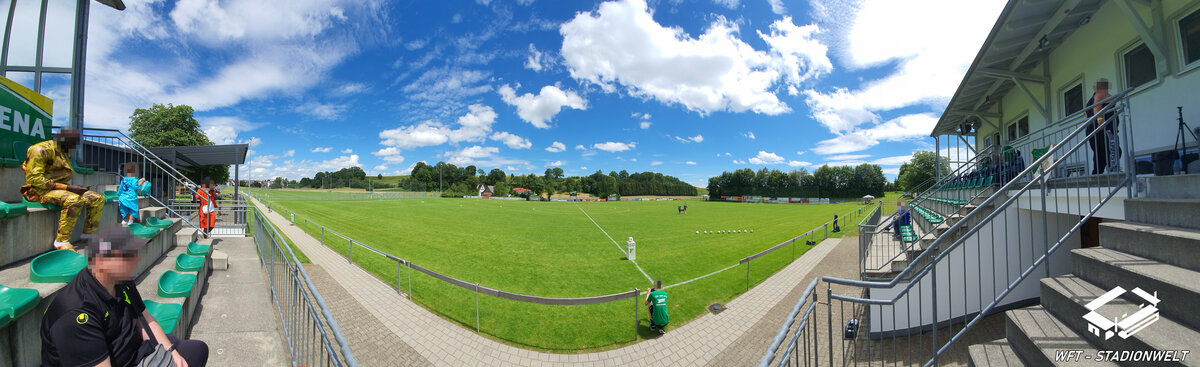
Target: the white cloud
(777, 7)
(893, 161)
(347, 151)
(252, 142)
(644, 125)
(555, 164)
(690, 163)
(390, 155)
(655, 163)
(766, 158)
(613, 147)
(540, 109)
(847, 157)
(621, 44)
(738, 162)
(468, 155)
(382, 167)
(474, 126)
(512, 141)
(891, 171)
(728, 155)
(800, 153)
(692, 139)
(907, 127)
(732, 4)
(223, 129)
(556, 147)
(536, 60)
(930, 61)
(798, 164)
(321, 149)
(750, 135)
(324, 111)
(580, 147)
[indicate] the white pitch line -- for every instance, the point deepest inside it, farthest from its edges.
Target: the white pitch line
(701, 277)
(639, 267)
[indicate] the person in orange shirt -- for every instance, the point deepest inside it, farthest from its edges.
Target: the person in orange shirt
(208, 207)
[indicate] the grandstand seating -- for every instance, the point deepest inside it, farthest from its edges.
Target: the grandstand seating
(47, 206)
(158, 223)
(173, 284)
(110, 196)
(196, 249)
(143, 231)
(27, 262)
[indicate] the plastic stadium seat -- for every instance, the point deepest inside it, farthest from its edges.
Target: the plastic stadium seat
(47, 206)
(185, 262)
(110, 196)
(9, 162)
(57, 266)
(173, 284)
(167, 314)
(11, 210)
(141, 231)
(196, 249)
(15, 302)
(158, 223)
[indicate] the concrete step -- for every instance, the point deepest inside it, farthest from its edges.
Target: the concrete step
(1172, 245)
(1037, 336)
(1165, 212)
(1173, 187)
(995, 353)
(147, 285)
(1066, 297)
(153, 211)
(1178, 287)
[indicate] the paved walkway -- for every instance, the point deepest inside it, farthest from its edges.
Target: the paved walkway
(235, 316)
(442, 342)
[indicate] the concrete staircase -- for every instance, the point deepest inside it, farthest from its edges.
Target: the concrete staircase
(1156, 251)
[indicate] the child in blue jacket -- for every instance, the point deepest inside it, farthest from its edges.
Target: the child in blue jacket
(127, 193)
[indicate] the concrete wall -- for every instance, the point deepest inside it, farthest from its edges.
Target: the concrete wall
(11, 179)
(972, 275)
(32, 234)
(1096, 51)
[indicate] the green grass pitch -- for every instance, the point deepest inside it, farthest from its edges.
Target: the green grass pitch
(552, 249)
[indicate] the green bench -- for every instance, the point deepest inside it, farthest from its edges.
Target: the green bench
(167, 314)
(141, 231)
(12, 210)
(15, 302)
(58, 266)
(47, 206)
(173, 284)
(188, 263)
(196, 249)
(9, 162)
(158, 223)
(110, 196)
(907, 234)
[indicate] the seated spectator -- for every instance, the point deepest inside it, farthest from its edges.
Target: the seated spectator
(902, 218)
(97, 318)
(48, 175)
(127, 193)
(656, 299)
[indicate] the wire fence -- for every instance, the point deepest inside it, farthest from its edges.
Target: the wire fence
(308, 326)
(271, 195)
(407, 273)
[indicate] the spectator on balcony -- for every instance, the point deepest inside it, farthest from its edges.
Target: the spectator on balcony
(902, 218)
(1105, 141)
(99, 318)
(48, 175)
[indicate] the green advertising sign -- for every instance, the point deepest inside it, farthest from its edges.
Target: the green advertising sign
(25, 116)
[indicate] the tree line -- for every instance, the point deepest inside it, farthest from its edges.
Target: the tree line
(826, 182)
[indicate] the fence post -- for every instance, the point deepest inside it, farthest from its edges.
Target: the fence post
(747, 276)
(829, 318)
(636, 292)
(350, 254)
(409, 264)
(322, 235)
(476, 307)
(398, 276)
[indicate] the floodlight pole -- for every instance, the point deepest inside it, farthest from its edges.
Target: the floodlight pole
(80, 56)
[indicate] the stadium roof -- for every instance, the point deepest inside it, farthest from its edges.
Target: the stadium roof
(1023, 35)
(203, 155)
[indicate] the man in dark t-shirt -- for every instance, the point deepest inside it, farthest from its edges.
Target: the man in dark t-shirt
(94, 319)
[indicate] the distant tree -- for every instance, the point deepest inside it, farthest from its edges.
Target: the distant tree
(379, 177)
(170, 126)
(495, 176)
(916, 174)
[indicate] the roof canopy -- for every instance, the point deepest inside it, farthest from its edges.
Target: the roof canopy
(202, 155)
(1024, 34)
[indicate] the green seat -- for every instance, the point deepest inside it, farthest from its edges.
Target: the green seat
(1037, 153)
(167, 314)
(173, 284)
(158, 223)
(9, 162)
(11, 210)
(185, 262)
(47, 206)
(196, 249)
(58, 266)
(110, 196)
(141, 231)
(15, 302)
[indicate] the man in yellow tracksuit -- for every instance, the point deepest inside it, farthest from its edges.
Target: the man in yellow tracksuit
(48, 175)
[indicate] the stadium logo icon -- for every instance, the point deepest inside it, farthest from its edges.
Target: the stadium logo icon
(1125, 325)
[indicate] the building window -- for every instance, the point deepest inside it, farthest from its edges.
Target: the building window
(1018, 129)
(1073, 100)
(1189, 31)
(1139, 66)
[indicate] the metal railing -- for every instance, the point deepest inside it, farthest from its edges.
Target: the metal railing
(352, 249)
(308, 326)
(973, 266)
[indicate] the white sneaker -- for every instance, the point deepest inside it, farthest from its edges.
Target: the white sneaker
(63, 245)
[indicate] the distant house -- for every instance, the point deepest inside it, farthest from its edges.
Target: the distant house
(521, 191)
(485, 190)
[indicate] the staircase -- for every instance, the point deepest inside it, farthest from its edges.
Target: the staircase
(1152, 256)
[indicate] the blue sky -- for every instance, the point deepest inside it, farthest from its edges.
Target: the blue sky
(687, 88)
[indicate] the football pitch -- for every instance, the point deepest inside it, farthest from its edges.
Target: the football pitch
(562, 250)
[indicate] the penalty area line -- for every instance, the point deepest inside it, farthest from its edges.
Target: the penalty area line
(639, 267)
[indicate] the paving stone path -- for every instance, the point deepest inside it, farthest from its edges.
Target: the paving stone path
(737, 336)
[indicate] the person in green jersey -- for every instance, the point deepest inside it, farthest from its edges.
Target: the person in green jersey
(656, 298)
